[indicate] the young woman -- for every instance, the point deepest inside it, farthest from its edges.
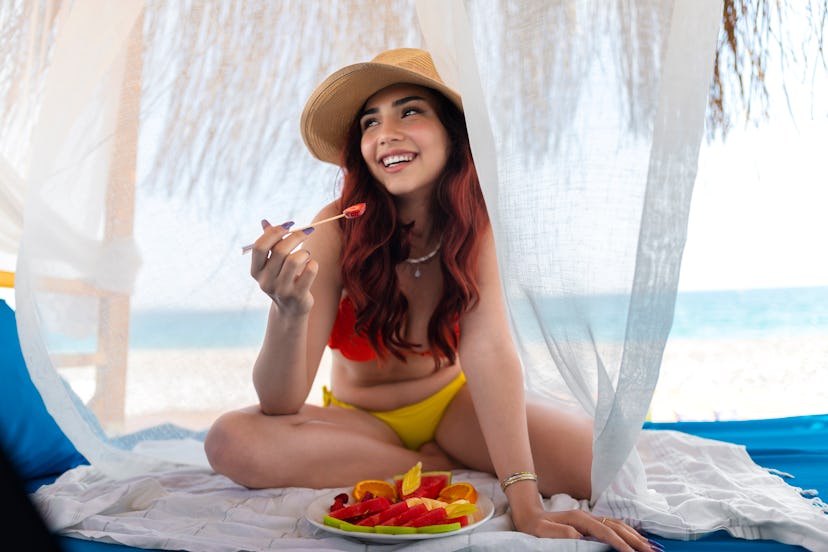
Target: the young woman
(409, 299)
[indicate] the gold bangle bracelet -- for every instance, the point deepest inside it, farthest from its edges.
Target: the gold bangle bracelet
(517, 476)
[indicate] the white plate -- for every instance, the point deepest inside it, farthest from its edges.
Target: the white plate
(318, 509)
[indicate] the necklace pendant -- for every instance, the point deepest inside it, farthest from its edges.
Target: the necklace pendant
(417, 273)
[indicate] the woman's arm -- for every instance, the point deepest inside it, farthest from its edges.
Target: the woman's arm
(305, 286)
(495, 380)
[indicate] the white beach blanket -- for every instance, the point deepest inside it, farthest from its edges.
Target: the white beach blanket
(695, 486)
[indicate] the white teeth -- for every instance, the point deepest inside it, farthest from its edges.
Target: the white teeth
(394, 159)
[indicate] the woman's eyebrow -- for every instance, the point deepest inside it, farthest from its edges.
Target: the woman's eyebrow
(395, 103)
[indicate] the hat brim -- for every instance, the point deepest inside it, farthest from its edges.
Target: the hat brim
(332, 107)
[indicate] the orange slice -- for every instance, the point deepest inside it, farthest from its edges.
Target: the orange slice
(377, 488)
(458, 491)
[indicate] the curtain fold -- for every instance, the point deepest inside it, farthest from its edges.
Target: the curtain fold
(11, 207)
(65, 265)
(677, 133)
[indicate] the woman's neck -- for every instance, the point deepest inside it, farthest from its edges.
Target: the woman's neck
(421, 234)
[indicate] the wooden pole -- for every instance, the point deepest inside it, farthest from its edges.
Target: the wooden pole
(109, 401)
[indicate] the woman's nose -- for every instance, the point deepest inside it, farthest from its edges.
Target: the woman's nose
(390, 132)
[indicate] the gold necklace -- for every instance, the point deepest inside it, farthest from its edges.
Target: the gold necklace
(420, 260)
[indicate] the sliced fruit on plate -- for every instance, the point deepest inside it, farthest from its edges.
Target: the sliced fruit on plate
(379, 518)
(332, 522)
(432, 517)
(377, 488)
(456, 509)
(417, 483)
(340, 501)
(430, 503)
(345, 526)
(361, 509)
(441, 528)
(461, 520)
(411, 480)
(394, 530)
(458, 491)
(408, 515)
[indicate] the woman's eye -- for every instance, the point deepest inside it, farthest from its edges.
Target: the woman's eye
(410, 111)
(367, 123)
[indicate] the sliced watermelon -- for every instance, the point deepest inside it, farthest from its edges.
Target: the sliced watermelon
(379, 518)
(431, 483)
(394, 530)
(432, 517)
(441, 528)
(345, 526)
(361, 509)
(462, 520)
(408, 515)
(332, 522)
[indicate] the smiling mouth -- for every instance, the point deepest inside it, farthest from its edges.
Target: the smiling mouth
(393, 160)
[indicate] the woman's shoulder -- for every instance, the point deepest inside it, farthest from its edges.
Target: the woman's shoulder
(331, 229)
(325, 241)
(330, 210)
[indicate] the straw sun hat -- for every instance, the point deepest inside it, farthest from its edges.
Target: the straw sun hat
(334, 104)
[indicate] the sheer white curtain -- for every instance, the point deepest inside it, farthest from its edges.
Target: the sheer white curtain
(25, 53)
(72, 159)
(585, 120)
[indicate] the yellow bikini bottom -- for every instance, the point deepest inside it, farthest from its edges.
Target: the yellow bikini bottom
(415, 424)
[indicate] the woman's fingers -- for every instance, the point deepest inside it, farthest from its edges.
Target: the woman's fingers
(293, 266)
(270, 250)
(611, 531)
(307, 276)
(616, 533)
(271, 237)
(281, 269)
(630, 535)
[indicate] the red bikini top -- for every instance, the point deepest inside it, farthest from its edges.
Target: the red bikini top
(352, 345)
(344, 336)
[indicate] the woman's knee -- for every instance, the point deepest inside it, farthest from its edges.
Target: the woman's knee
(241, 445)
(222, 442)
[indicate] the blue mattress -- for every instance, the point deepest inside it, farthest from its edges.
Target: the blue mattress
(798, 446)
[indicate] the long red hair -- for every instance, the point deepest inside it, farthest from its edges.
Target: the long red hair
(373, 247)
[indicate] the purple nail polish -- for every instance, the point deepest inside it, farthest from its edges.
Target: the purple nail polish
(287, 224)
(307, 231)
(265, 224)
(655, 545)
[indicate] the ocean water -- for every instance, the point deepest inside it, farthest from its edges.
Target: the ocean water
(751, 313)
(698, 315)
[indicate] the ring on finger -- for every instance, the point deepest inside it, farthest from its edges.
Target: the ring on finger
(603, 521)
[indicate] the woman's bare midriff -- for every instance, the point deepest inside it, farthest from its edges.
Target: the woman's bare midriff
(370, 386)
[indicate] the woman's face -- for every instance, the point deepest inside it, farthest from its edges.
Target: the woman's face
(403, 142)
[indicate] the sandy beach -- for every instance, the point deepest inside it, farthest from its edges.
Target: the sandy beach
(738, 379)
(189, 387)
(699, 380)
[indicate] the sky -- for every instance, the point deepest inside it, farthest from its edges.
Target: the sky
(758, 212)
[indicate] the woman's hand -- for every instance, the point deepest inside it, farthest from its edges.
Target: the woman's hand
(577, 524)
(283, 272)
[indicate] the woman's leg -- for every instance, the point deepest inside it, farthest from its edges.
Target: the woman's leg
(318, 447)
(561, 442)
